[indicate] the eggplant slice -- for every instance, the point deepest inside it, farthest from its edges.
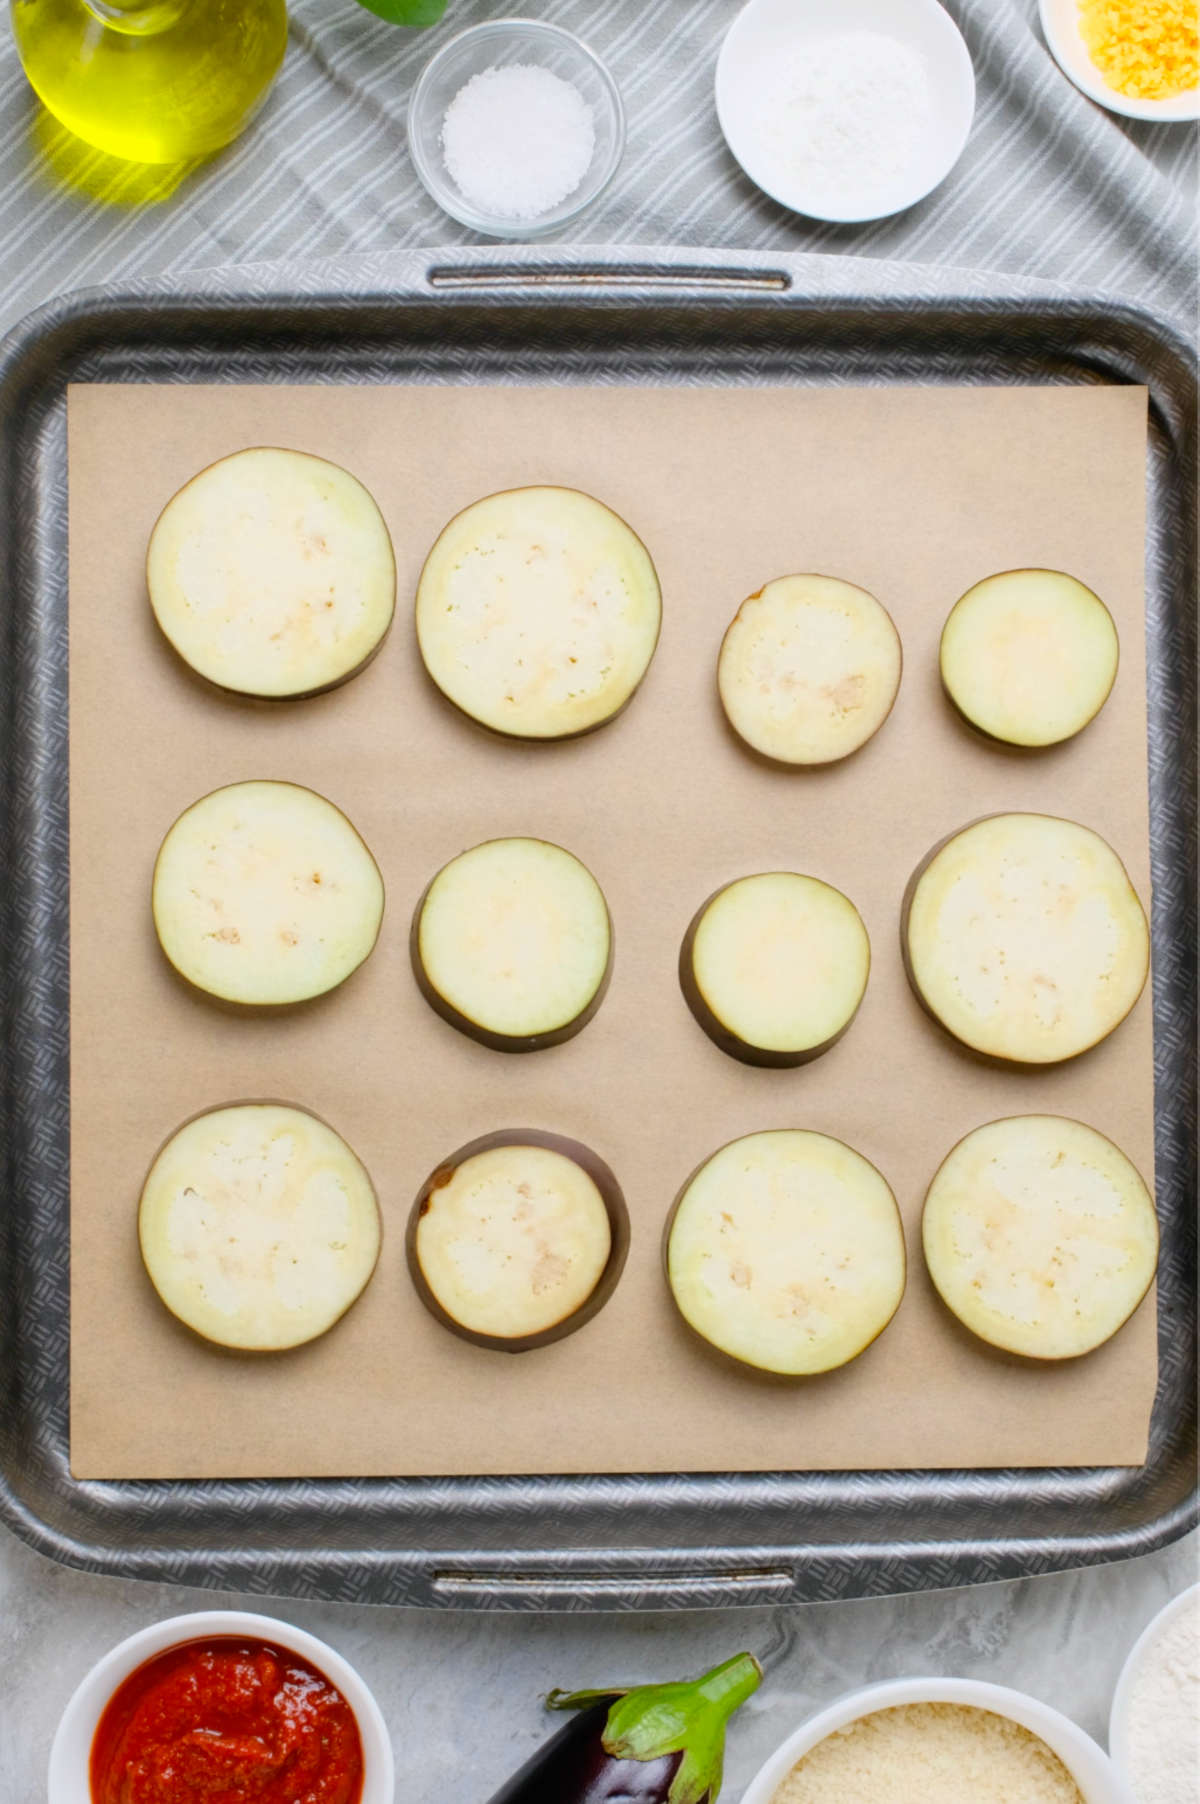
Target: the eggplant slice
(1029, 657)
(774, 967)
(1024, 937)
(264, 893)
(809, 669)
(518, 1239)
(1040, 1236)
(272, 574)
(538, 612)
(512, 944)
(258, 1225)
(785, 1251)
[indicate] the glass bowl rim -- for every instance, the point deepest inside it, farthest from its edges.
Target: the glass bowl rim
(439, 186)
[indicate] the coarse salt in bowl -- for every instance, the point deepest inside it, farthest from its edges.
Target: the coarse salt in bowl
(515, 127)
(845, 110)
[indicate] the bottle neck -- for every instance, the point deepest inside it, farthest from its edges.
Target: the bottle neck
(139, 17)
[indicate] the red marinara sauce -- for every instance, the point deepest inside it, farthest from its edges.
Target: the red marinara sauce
(228, 1721)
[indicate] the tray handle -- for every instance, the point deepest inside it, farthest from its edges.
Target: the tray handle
(541, 273)
(497, 1589)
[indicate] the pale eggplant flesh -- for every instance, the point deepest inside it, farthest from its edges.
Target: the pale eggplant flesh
(774, 967)
(785, 1251)
(512, 944)
(258, 1226)
(1029, 657)
(1024, 937)
(809, 669)
(518, 1239)
(1040, 1236)
(265, 895)
(538, 612)
(272, 574)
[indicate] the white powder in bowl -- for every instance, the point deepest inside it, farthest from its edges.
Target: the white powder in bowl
(517, 140)
(844, 116)
(1162, 1729)
(930, 1754)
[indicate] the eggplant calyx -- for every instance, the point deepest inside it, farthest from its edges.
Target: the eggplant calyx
(687, 1717)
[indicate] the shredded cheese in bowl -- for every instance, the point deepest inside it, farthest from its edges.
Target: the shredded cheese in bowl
(1148, 49)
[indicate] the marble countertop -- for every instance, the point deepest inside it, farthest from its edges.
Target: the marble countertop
(461, 1692)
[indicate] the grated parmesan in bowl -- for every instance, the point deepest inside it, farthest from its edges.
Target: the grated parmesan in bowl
(938, 1741)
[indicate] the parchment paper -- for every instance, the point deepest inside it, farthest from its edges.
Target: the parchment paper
(913, 493)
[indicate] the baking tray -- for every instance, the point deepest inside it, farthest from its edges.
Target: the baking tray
(592, 1542)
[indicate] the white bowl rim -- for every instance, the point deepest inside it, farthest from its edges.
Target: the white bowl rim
(730, 45)
(1071, 54)
(1118, 1716)
(1084, 1758)
(67, 1780)
(443, 191)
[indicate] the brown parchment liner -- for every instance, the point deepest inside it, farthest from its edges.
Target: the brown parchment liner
(913, 493)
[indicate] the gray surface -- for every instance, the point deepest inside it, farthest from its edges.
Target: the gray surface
(460, 1694)
(520, 1544)
(1049, 184)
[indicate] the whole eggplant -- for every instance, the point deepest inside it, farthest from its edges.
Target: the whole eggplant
(653, 1744)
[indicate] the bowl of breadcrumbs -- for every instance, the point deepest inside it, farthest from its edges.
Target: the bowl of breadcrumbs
(938, 1741)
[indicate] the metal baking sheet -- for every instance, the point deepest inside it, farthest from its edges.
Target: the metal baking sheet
(552, 1543)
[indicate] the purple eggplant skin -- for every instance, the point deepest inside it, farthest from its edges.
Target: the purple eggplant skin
(652, 1744)
(574, 1768)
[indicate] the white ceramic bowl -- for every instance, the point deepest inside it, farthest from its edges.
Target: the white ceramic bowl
(1118, 1721)
(1060, 26)
(1087, 1764)
(68, 1779)
(766, 29)
(501, 42)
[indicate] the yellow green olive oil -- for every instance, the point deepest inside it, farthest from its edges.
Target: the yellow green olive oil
(156, 81)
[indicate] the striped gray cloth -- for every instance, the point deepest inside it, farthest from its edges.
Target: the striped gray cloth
(1050, 185)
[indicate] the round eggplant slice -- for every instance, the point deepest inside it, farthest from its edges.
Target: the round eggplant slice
(518, 1239)
(272, 574)
(259, 1227)
(1029, 656)
(1040, 1236)
(809, 669)
(1024, 937)
(785, 1250)
(512, 944)
(538, 612)
(774, 967)
(264, 893)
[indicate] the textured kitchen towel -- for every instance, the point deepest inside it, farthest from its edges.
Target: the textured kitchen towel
(1049, 185)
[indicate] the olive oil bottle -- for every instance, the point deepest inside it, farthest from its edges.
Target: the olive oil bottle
(156, 81)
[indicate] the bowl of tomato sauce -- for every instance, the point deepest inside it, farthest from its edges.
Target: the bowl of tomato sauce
(222, 1705)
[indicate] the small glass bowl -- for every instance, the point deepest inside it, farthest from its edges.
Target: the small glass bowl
(503, 42)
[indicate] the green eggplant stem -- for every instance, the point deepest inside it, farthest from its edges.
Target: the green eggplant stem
(688, 1717)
